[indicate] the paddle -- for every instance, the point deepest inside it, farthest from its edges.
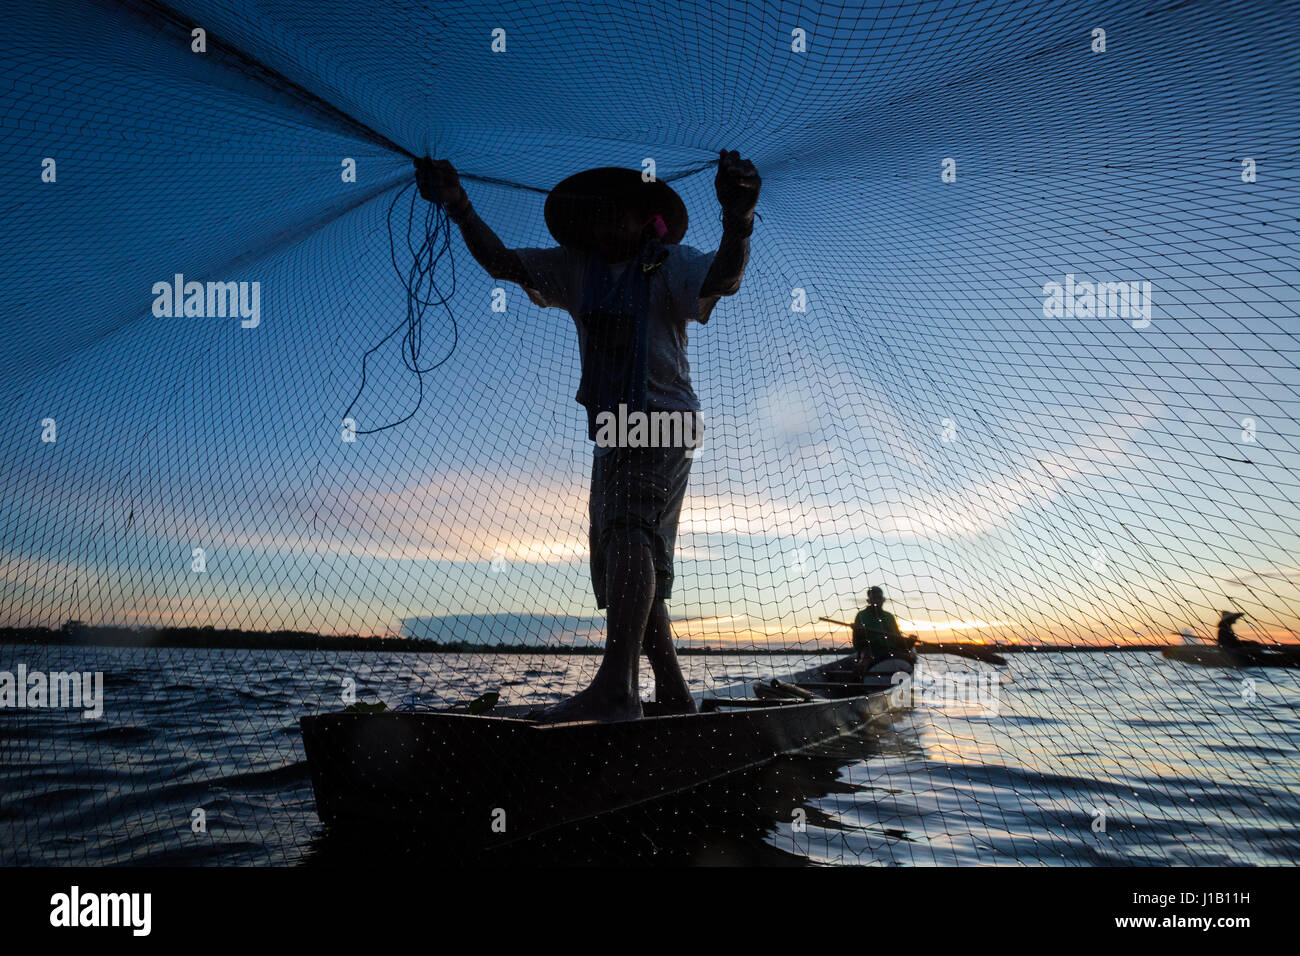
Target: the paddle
(970, 651)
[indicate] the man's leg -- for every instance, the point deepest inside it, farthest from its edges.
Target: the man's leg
(630, 590)
(670, 685)
(623, 577)
(614, 693)
(673, 471)
(636, 500)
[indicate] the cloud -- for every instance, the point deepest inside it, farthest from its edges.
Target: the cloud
(482, 516)
(1290, 575)
(966, 512)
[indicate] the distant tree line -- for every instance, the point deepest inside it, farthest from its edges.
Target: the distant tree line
(77, 633)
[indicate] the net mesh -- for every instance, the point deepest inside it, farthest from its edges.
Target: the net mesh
(912, 388)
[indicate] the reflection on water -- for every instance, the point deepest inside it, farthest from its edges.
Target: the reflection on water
(1088, 759)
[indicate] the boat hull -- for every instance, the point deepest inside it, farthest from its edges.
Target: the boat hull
(481, 779)
(1211, 656)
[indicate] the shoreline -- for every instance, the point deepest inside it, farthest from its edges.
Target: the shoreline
(75, 634)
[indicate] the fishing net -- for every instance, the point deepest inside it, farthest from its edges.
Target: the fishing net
(1017, 341)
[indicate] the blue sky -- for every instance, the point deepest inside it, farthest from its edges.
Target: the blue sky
(1094, 487)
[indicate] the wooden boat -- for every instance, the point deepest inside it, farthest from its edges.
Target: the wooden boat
(1213, 655)
(499, 778)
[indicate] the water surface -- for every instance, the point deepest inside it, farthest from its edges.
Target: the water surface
(1182, 765)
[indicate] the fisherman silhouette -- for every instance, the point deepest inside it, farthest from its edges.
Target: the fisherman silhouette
(876, 636)
(631, 287)
(1227, 638)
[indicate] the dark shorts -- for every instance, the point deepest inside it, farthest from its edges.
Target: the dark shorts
(638, 489)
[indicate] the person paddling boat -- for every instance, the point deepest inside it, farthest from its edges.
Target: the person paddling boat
(876, 636)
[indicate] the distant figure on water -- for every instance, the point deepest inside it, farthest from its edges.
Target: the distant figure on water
(876, 635)
(621, 272)
(1227, 638)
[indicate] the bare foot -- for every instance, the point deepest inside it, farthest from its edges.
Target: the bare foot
(587, 706)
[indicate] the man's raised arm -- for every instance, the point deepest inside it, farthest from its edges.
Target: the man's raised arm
(737, 186)
(439, 182)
